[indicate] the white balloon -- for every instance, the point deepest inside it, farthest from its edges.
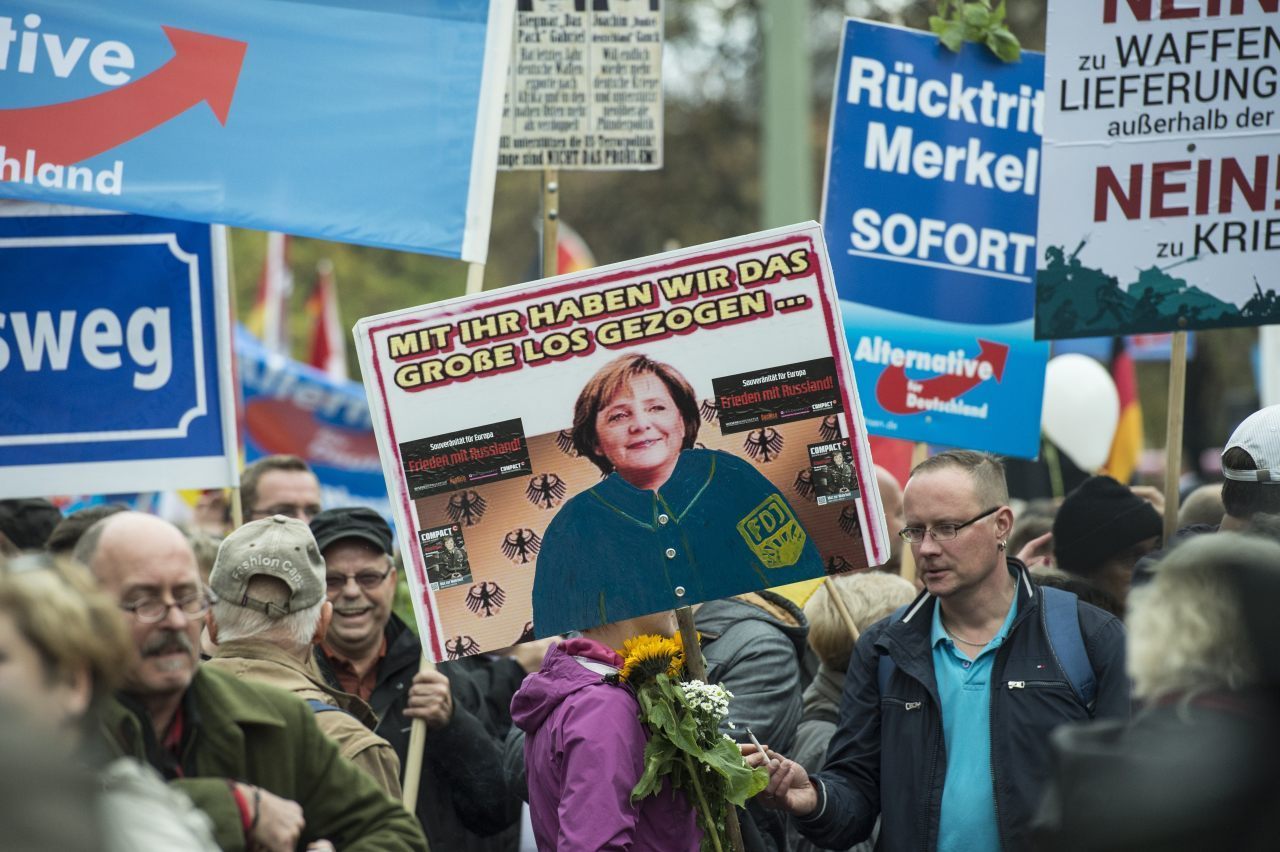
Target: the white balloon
(1081, 409)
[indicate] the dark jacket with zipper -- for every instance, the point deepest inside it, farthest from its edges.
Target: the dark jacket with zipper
(463, 798)
(888, 755)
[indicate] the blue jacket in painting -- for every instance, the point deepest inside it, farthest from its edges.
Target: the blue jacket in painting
(717, 528)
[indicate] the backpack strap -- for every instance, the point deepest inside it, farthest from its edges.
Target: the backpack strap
(318, 706)
(1062, 621)
(886, 665)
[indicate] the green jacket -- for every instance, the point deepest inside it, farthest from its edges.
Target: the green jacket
(266, 737)
(351, 728)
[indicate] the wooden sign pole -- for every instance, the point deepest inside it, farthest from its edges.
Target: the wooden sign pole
(697, 667)
(842, 608)
(475, 278)
(550, 222)
(413, 765)
(1173, 433)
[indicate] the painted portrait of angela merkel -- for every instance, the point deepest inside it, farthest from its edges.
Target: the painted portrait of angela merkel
(670, 524)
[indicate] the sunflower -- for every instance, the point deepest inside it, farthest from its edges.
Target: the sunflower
(647, 656)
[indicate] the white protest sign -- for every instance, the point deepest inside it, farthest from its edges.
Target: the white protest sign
(611, 443)
(1161, 159)
(585, 86)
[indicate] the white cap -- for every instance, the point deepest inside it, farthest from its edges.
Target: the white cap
(1259, 436)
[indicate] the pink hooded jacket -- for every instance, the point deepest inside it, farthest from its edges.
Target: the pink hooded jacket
(584, 752)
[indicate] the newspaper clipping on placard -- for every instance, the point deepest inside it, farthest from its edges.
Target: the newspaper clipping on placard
(585, 86)
(632, 439)
(1161, 168)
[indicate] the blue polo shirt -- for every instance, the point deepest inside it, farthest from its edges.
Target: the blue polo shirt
(968, 819)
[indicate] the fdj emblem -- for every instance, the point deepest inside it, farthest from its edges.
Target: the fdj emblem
(773, 533)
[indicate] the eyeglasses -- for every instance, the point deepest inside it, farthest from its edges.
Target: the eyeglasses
(154, 610)
(289, 510)
(367, 580)
(940, 532)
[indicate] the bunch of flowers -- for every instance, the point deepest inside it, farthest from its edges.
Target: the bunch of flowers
(685, 744)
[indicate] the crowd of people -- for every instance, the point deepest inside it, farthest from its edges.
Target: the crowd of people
(1055, 678)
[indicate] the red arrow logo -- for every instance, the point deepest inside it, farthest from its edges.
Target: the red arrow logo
(891, 390)
(203, 68)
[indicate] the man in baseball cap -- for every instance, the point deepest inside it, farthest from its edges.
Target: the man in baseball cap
(270, 610)
(1251, 465)
(370, 652)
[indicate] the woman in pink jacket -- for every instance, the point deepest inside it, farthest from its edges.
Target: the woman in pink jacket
(584, 751)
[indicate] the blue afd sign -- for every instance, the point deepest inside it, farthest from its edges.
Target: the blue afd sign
(372, 123)
(929, 215)
(114, 367)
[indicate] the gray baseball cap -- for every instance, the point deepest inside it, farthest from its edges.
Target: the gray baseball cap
(278, 547)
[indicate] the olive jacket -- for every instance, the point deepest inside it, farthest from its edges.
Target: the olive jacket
(259, 735)
(349, 723)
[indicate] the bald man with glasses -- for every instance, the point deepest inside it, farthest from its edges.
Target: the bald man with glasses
(948, 703)
(250, 756)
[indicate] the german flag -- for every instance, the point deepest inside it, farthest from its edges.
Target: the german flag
(572, 252)
(1126, 447)
(328, 350)
(268, 319)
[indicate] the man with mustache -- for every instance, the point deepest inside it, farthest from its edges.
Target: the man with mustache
(371, 653)
(249, 756)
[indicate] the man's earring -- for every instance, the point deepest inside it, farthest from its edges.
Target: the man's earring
(1001, 545)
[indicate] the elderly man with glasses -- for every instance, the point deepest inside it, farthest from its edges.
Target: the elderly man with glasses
(948, 703)
(249, 756)
(371, 653)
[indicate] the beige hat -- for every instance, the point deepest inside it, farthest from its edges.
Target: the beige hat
(277, 547)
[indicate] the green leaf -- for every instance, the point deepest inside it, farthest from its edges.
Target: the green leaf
(976, 15)
(997, 17)
(952, 38)
(1004, 45)
(737, 781)
(656, 710)
(938, 25)
(659, 754)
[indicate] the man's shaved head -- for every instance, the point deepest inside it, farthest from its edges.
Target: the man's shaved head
(123, 536)
(140, 559)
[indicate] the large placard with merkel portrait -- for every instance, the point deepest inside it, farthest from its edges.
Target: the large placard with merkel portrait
(635, 438)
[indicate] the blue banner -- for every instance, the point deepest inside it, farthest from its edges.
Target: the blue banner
(113, 354)
(371, 123)
(295, 409)
(930, 220)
